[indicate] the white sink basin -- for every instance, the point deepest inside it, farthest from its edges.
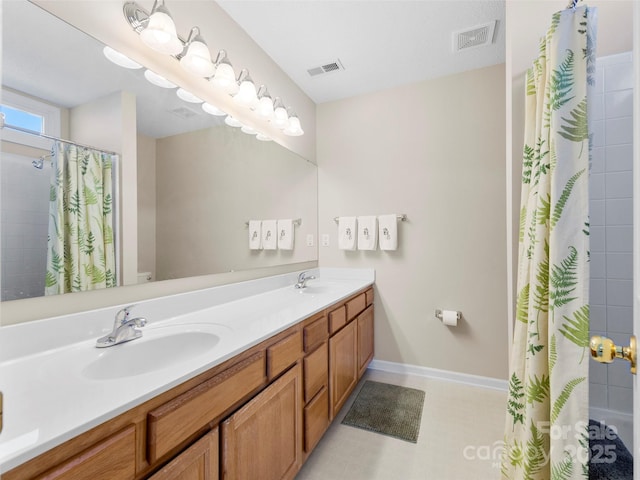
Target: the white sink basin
(158, 348)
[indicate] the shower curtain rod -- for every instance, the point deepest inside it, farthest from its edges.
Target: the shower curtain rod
(51, 137)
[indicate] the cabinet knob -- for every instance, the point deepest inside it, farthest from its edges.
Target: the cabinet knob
(604, 350)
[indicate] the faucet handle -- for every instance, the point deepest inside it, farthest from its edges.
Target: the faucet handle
(123, 314)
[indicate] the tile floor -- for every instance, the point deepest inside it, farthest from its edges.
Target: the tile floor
(460, 437)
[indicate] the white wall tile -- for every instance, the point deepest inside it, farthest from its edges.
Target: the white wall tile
(597, 239)
(618, 212)
(618, 158)
(597, 373)
(620, 399)
(618, 77)
(619, 319)
(597, 160)
(598, 395)
(618, 104)
(620, 293)
(597, 186)
(598, 265)
(618, 131)
(597, 107)
(618, 185)
(597, 127)
(597, 317)
(598, 292)
(619, 239)
(619, 266)
(597, 212)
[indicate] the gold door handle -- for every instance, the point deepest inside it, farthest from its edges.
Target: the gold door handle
(604, 350)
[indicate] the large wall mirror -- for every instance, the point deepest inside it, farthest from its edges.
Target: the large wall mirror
(199, 181)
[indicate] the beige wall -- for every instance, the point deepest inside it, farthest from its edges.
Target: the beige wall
(147, 204)
(209, 183)
(435, 151)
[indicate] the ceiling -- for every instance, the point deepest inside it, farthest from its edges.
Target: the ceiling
(381, 43)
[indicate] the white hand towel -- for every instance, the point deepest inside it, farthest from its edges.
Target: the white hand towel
(269, 235)
(367, 233)
(347, 234)
(388, 231)
(285, 234)
(255, 235)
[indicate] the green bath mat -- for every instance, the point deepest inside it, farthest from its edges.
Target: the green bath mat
(387, 409)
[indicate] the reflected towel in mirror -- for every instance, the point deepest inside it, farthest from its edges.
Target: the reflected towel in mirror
(255, 235)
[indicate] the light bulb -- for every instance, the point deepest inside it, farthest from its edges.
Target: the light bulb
(188, 96)
(280, 115)
(293, 128)
(120, 59)
(247, 95)
(160, 33)
(212, 109)
(197, 60)
(232, 122)
(158, 80)
(265, 104)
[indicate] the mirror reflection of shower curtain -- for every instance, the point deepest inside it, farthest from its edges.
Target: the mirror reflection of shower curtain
(81, 248)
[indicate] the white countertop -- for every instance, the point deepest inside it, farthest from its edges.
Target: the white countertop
(45, 365)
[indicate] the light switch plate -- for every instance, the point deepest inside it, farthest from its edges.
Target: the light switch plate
(310, 240)
(325, 239)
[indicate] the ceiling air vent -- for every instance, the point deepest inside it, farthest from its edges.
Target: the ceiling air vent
(477, 36)
(326, 68)
(183, 112)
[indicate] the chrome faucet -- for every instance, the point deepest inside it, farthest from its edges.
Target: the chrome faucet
(302, 280)
(124, 329)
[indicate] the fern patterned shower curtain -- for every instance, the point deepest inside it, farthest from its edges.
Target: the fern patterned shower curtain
(81, 250)
(546, 432)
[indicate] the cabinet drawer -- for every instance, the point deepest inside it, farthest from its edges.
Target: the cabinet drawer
(111, 459)
(369, 296)
(186, 415)
(315, 333)
(283, 354)
(316, 371)
(355, 306)
(338, 319)
(316, 419)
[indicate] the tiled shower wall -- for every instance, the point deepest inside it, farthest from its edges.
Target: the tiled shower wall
(23, 223)
(611, 216)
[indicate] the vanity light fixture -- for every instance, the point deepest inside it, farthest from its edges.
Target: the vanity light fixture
(224, 76)
(120, 59)
(197, 59)
(293, 129)
(188, 96)
(247, 94)
(158, 80)
(265, 103)
(160, 32)
(280, 115)
(212, 109)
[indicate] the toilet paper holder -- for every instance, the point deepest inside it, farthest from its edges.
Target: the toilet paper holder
(439, 315)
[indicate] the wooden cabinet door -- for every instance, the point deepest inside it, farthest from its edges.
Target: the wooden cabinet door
(198, 462)
(263, 440)
(365, 340)
(343, 366)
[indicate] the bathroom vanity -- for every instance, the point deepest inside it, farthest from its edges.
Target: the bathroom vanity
(255, 407)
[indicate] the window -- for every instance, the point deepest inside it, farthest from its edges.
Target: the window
(32, 114)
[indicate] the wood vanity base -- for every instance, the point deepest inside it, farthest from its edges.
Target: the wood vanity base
(257, 415)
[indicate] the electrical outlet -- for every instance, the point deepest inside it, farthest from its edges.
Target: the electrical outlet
(310, 240)
(325, 239)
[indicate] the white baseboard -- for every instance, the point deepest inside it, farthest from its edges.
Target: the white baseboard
(467, 379)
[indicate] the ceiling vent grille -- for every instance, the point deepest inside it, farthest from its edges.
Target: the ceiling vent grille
(183, 112)
(330, 67)
(478, 36)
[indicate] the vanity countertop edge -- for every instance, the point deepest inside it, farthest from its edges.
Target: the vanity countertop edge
(48, 400)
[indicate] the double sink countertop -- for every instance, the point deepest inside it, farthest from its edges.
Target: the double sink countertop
(57, 384)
